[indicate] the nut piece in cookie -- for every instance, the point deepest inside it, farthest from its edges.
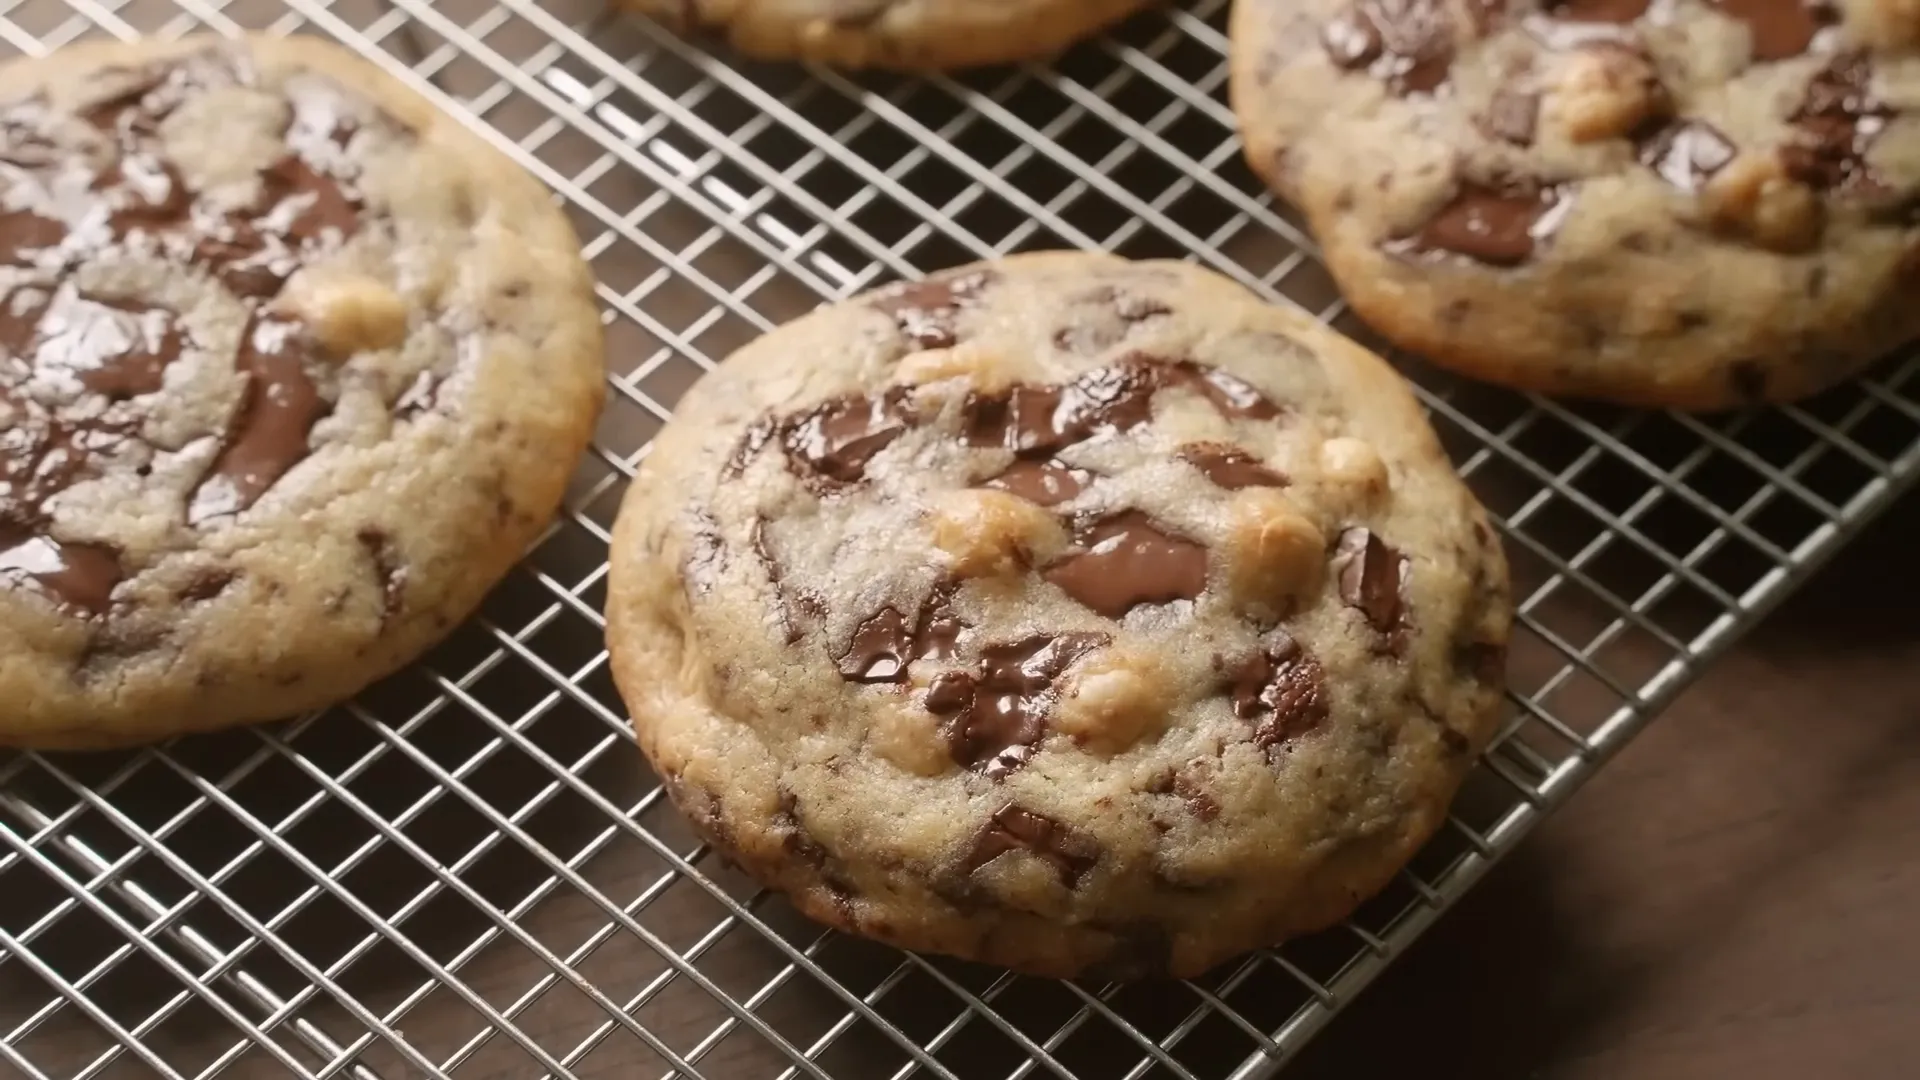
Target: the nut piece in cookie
(346, 312)
(987, 533)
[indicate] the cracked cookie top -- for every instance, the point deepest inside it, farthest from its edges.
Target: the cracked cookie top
(1697, 203)
(264, 321)
(1063, 612)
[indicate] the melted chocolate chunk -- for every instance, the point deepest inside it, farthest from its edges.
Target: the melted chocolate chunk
(25, 235)
(146, 192)
(1408, 44)
(1229, 467)
(268, 434)
(883, 644)
(1780, 28)
(835, 441)
(153, 92)
(1128, 560)
(1007, 762)
(1044, 419)
(926, 311)
(1041, 420)
(80, 576)
(69, 341)
(1373, 579)
(1047, 482)
(1004, 702)
(248, 262)
(1284, 688)
(1512, 116)
(1687, 154)
(1234, 397)
(1837, 121)
(113, 348)
(127, 112)
(303, 205)
(388, 570)
(1494, 226)
(1014, 828)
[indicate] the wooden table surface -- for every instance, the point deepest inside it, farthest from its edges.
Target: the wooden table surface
(1736, 896)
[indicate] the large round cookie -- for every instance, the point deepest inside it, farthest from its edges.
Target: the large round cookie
(901, 35)
(1662, 202)
(292, 368)
(1066, 613)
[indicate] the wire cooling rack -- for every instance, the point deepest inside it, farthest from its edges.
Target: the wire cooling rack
(470, 873)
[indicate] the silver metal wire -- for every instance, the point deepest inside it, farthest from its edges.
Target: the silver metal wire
(469, 872)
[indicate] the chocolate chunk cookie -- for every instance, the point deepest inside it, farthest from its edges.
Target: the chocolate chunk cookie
(292, 368)
(1687, 203)
(900, 35)
(1066, 613)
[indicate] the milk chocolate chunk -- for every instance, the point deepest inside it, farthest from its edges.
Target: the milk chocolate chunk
(884, 642)
(25, 234)
(147, 193)
(78, 576)
(305, 206)
(1044, 419)
(1046, 482)
(1283, 688)
(1372, 577)
(1014, 828)
(269, 433)
(118, 349)
(835, 441)
(1687, 154)
(1496, 226)
(927, 312)
(1230, 467)
(1128, 560)
(1005, 700)
(1408, 44)
(1234, 397)
(1836, 123)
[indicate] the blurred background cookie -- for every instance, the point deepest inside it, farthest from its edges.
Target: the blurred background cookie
(1682, 203)
(295, 369)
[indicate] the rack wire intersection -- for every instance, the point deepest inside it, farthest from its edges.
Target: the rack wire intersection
(469, 873)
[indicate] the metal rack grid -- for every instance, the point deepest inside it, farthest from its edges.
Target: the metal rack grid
(468, 872)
